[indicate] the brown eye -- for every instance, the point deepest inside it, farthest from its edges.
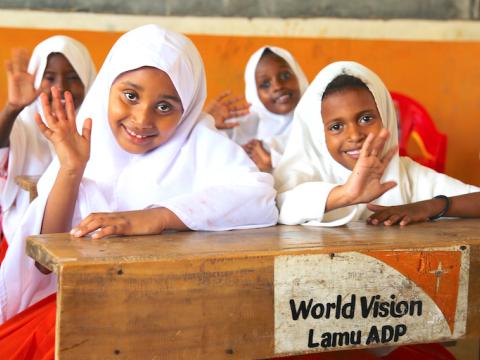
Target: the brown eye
(130, 95)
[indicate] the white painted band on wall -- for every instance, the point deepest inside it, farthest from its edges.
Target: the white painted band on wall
(430, 30)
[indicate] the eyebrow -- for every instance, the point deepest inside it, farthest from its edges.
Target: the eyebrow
(140, 88)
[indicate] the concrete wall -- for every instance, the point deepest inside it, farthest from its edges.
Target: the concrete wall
(371, 9)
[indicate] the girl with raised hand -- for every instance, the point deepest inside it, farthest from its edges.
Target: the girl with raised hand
(274, 83)
(151, 161)
(58, 61)
(340, 158)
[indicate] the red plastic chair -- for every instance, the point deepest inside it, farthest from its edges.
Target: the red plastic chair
(416, 123)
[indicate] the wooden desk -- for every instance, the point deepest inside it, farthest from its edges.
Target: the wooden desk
(233, 295)
(28, 183)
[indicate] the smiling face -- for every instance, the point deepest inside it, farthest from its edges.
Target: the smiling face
(349, 115)
(144, 109)
(277, 85)
(61, 74)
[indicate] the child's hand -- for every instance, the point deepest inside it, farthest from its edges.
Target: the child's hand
(259, 155)
(140, 222)
(21, 89)
(404, 214)
(364, 184)
(223, 109)
(73, 149)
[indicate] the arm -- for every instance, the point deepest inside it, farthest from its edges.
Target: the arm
(73, 151)
(223, 109)
(21, 92)
(467, 205)
(140, 222)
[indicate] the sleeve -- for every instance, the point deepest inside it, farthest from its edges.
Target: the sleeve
(228, 193)
(427, 183)
(305, 205)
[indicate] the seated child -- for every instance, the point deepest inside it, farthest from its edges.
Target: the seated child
(151, 161)
(334, 162)
(274, 83)
(57, 61)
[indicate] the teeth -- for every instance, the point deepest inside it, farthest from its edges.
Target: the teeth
(134, 134)
(353, 152)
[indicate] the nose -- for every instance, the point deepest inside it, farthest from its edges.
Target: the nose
(277, 84)
(355, 133)
(61, 84)
(141, 116)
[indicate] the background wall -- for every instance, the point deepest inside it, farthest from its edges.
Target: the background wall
(372, 9)
(435, 62)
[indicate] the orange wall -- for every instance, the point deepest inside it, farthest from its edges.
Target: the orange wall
(443, 76)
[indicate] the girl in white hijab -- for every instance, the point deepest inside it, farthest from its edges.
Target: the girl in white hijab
(57, 61)
(274, 83)
(332, 167)
(156, 162)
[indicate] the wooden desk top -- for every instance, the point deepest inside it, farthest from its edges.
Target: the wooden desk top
(240, 294)
(56, 249)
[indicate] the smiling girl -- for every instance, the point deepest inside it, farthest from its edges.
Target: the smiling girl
(151, 161)
(335, 162)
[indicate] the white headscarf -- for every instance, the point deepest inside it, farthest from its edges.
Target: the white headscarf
(203, 177)
(308, 172)
(272, 129)
(29, 151)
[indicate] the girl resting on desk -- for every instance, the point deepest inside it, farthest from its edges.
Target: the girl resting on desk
(57, 61)
(152, 161)
(335, 163)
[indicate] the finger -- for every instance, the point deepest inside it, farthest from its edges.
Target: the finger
(16, 62)
(375, 207)
(57, 104)
(70, 108)
(365, 150)
(42, 127)
(47, 110)
(87, 129)
(406, 220)
(106, 231)
(379, 142)
(91, 223)
(229, 125)
(387, 186)
(232, 100)
(23, 59)
(392, 220)
(223, 95)
(9, 67)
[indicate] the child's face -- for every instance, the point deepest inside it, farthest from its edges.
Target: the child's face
(61, 74)
(144, 109)
(349, 115)
(277, 85)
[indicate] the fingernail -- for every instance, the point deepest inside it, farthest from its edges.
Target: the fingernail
(73, 231)
(77, 233)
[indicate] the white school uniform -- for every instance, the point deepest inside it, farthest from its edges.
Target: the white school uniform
(307, 172)
(272, 129)
(29, 152)
(199, 174)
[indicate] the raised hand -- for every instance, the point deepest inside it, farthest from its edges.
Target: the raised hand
(364, 184)
(72, 148)
(223, 108)
(21, 89)
(259, 155)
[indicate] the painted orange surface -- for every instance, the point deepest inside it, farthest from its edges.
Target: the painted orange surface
(443, 76)
(436, 272)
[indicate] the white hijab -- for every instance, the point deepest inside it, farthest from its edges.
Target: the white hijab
(200, 175)
(307, 172)
(29, 151)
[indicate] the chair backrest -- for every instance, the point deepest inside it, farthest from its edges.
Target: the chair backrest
(416, 123)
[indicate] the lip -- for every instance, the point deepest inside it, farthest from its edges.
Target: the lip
(354, 153)
(284, 97)
(138, 136)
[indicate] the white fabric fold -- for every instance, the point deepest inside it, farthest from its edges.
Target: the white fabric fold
(204, 178)
(272, 129)
(307, 172)
(29, 151)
